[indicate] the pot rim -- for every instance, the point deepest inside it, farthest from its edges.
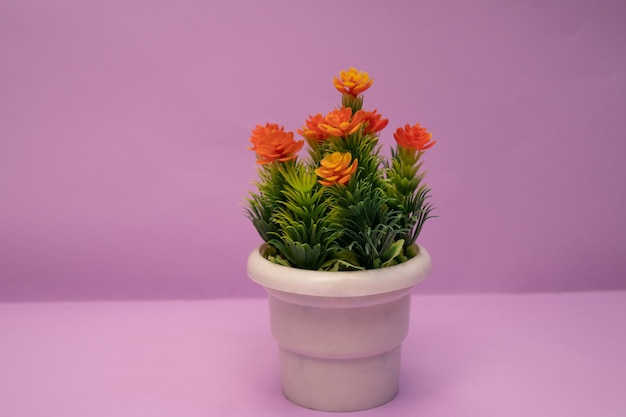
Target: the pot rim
(339, 283)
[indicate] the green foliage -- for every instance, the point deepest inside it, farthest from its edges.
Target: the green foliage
(299, 223)
(409, 195)
(372, 228)
(262, 204)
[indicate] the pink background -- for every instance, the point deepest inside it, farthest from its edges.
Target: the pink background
(124, 127)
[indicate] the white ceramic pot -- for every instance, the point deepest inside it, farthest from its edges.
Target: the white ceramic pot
(339, 333)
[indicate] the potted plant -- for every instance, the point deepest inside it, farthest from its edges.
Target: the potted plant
(340, 256)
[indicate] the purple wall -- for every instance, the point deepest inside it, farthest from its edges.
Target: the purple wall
(124, 127)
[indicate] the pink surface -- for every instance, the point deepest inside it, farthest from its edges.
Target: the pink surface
(471, 356)
(124, 127)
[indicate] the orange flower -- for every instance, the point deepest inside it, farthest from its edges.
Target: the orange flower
(341, 122)
(414, 137)
(373, 122)
(336, 169)
(272, 143)
(353, 82)
(262, 131)
(311, 129)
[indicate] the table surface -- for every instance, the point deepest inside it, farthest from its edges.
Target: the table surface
(466, 355)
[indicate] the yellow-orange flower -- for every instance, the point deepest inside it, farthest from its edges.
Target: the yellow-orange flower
(274, 144)
(373, 122)
(414, 137)
(311, 129)
(341, 122)
(336, 168)
(353, 82)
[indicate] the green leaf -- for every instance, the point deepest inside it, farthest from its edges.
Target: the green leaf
(393, 251)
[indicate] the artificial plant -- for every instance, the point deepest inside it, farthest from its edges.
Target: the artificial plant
(343, 206)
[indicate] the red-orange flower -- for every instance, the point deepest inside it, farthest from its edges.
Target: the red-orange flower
(336, 168)
(414, 137)
(262, 131)
(311, 129)
(373, 122)
(353, 82)
(274, 144)
(341, 122)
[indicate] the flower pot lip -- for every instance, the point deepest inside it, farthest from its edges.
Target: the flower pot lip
(341, 283)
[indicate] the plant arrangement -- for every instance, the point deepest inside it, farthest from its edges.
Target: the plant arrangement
(343, 206)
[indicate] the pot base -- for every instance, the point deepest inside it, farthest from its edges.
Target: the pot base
(340, 354)
(340, 384)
